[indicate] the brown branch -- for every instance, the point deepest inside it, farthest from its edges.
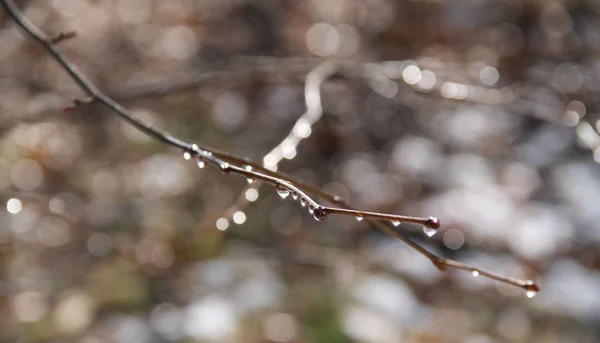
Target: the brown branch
(235, 165)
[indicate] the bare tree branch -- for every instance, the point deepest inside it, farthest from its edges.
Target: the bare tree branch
(230, 164)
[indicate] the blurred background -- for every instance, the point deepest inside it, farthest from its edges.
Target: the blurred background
(489, 122)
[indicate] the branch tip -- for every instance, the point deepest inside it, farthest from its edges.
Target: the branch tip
(433, 223)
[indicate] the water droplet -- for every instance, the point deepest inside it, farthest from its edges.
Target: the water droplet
(320, 213)
(531, 289)
(200, 164)
(249, 179)
(429, 231)
(195, 148)
(303, 202)
(295, 196)
(433, 223)
(207, 153)
(187, 155)
(395, 222)
(282, 192)
(225, 167)
(475, 273)
(359, 218)
(311, 209)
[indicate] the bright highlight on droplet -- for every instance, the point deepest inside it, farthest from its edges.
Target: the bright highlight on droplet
(282, 192)
(239, 217)
(531, 294)
(14, 205)
(187, 155)
(395, 222)
(251, 194)
(475, 273)
(429, 232)
(200, 164)
(222, 224)
(359, 218)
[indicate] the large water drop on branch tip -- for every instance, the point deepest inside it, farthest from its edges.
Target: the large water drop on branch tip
(531, 289)
(187, 155)
(320, 213)
(433, 223)
(282, 192)
(200, 164)
(429, 232)
(359, 218)
(395, 222)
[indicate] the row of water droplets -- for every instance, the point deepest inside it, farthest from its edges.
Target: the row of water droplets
(318, 212)
(429, 231)
(531, 289)
(201, 155)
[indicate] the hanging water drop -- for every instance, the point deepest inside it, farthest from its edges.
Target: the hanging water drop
(200, 164)
(225, 167)
(531, 289)
(320, 213)
(311, 209)
(187, 155)
(429, 232)
(531, 294)
(249, 179)
(395, 222)
(475, 273)
(295, 196)
(282, 192)
(303, 202)
(359, 218)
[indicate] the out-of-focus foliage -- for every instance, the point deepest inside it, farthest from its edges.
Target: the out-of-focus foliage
(109, 236)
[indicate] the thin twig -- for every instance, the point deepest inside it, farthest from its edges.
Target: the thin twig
(235, 165)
